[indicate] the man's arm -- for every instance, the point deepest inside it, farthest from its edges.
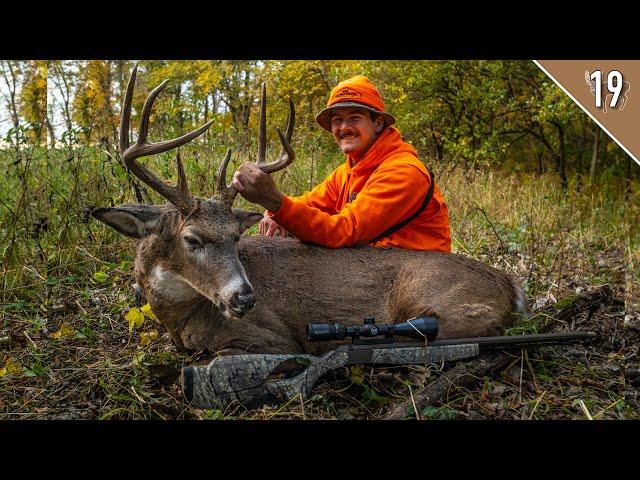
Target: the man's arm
(391, 195)
(259, 188)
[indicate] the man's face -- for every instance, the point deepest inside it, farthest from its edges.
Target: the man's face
(354, 130)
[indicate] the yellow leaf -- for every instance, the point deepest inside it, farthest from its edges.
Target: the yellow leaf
(12, 366)
(3, 371)
(146, 310)
(147, 337)
(357, 375)
(135, 318)
(67, 330)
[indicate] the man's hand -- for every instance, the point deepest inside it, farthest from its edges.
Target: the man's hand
(271, 228)
(257, 186)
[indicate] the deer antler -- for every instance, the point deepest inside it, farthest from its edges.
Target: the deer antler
(228, 193)
(178, 195)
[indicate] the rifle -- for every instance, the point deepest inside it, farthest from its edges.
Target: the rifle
(254, 380)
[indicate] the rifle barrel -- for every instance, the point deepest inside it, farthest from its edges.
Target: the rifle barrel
(488, 343)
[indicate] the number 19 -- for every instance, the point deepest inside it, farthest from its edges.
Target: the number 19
(616, 90)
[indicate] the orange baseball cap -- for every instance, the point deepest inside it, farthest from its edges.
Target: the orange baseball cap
(358, 92)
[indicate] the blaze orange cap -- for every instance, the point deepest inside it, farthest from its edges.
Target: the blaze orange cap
(356, 91)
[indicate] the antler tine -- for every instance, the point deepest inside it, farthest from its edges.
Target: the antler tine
(227, 193)
(286, 156)
(262, 132)
(125, 115)
(222, 172)
(182, 186)
(143, 147)
(178, 195)
(146, 112)
(291, 120)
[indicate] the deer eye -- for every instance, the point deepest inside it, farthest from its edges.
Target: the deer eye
(192, 242)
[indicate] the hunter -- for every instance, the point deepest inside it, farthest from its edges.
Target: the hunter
(382, 195)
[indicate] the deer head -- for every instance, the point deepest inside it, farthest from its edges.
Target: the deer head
(590, 82)
(189, 245)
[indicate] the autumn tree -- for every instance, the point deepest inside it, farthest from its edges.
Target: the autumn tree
(33, 98)
(62, 83)
(93, 102)
(11, 71)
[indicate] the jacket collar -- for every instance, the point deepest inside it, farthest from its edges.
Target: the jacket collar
(389, 142)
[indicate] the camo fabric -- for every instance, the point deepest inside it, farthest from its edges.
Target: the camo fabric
(405, 356)
(248, 379)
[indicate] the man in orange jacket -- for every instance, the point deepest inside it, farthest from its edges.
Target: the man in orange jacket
(382, 195)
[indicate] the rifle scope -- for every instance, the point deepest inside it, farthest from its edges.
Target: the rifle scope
(418, 327)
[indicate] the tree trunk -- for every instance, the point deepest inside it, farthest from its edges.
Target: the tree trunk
(627, 180)
(540, 169)
(52, 133)
(594, 155)
(206, 117)
(560, 161)
(436, 143)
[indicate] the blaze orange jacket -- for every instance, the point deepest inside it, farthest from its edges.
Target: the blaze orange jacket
(356, 204)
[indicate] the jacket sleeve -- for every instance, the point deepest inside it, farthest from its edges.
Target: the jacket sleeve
(324, 196)
(392, 194)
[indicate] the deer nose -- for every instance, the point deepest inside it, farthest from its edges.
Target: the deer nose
(243, 302)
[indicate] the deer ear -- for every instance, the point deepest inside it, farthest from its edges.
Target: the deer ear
(135, 221)
(246, 218)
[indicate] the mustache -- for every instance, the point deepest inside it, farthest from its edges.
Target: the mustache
(348, 134)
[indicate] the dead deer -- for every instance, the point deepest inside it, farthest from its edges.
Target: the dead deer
(215, 290)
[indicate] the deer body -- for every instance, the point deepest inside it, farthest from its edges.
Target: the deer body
(217, 291)
(296, 284)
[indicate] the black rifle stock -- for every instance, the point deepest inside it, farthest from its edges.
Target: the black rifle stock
(257, 379)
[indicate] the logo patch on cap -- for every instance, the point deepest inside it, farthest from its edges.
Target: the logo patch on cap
(347, 93)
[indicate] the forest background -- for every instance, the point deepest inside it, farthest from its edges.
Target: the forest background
(534, 187)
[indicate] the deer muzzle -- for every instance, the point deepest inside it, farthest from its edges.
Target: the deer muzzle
(237, 300)
(242, 304)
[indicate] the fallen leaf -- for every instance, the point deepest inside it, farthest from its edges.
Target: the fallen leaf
(147, 337)
(135, 318)
(573, 390)
(147, 312)
(357, 374)
(12, 366)
(65, 330)
(100, 277)
(138, 356)
(498, 390)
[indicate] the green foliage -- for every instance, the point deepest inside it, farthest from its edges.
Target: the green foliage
(438, 413)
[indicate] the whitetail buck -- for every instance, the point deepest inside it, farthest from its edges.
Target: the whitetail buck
(218, 291)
